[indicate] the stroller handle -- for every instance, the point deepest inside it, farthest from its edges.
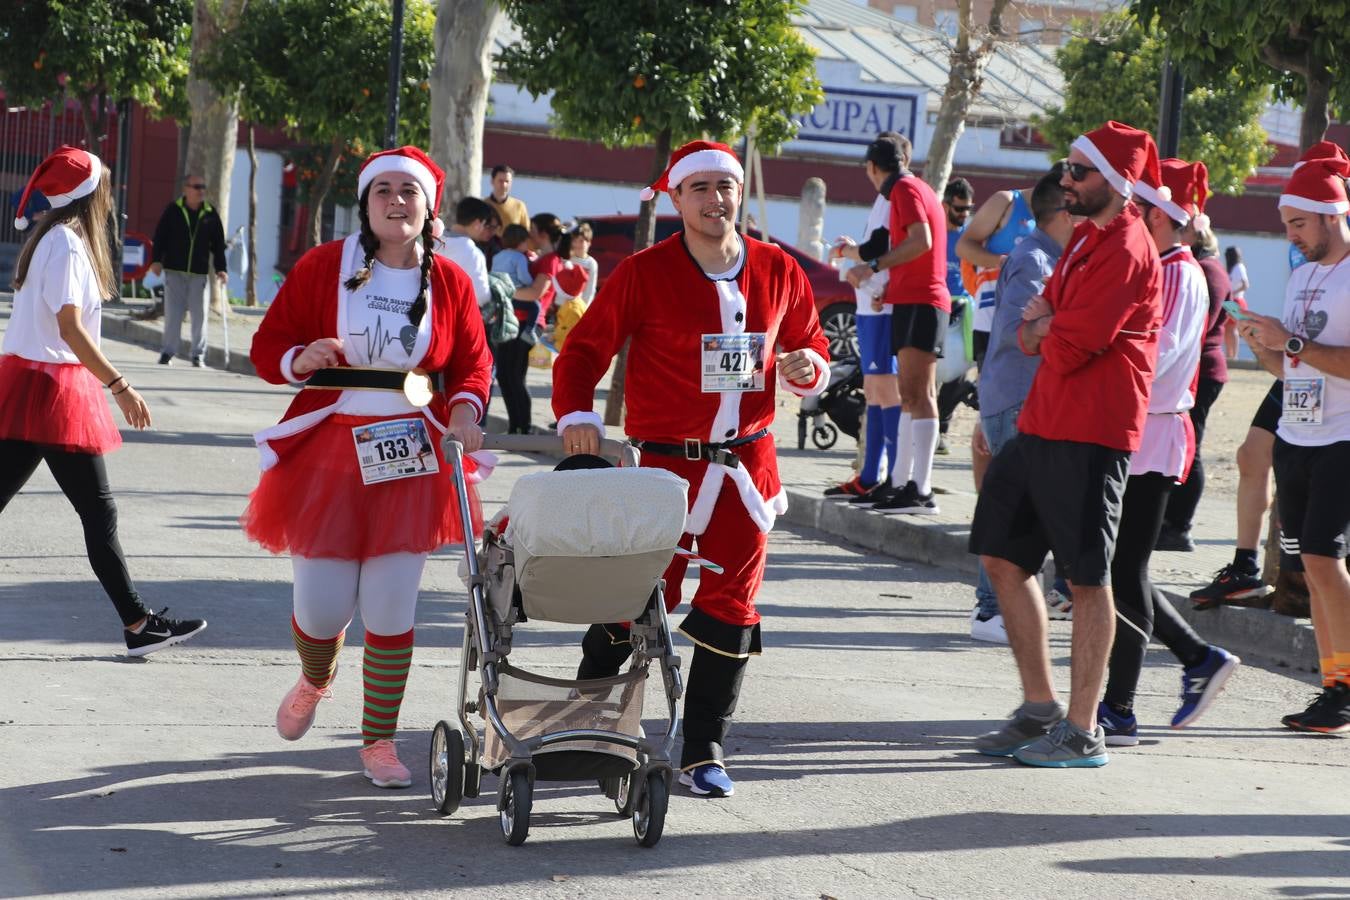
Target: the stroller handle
(619, 452)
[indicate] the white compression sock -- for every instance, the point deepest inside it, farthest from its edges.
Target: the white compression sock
(925, 433)
(904, 452)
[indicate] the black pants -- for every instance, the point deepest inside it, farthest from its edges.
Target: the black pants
(710, 692)
(1186, 497)
(83, 478)
(949, 397)
(513, 361)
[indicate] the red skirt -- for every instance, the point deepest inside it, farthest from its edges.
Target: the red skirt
(55, 404)
(313, 503)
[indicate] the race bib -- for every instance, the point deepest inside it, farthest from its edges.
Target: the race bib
(398, 448)
(1303, 400)
(733, 362)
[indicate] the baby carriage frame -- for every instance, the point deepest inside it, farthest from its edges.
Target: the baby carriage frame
(519, 707)
(842, 401)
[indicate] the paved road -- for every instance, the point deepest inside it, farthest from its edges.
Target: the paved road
(165, 778)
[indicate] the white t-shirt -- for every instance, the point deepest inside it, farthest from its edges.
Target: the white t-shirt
(59, 274)
(1237, 275)
(592, 276)
(379, 334)
(879, 216)
(463, 252)
(1317, 308)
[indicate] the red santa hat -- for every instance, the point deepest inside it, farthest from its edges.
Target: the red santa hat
(1318, 186)
(413, 162)
(570, 280)
(1321, 150)
(696, 156)
(1124, 155)
(67, 175)
(1187, 185)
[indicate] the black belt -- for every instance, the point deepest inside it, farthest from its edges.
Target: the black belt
(350, 378)
(694, 449)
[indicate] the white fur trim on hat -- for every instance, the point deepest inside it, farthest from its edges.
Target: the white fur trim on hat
(1083, 144)
(83, 189)
(1161, 197)
(406, 165)
(1340, 207)
(699, 161)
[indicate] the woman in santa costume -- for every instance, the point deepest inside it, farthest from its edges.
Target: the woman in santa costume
(51, 401)
(707, 311)
(385, 338)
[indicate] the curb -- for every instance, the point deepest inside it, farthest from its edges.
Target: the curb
(1255, 634)
(118, 325)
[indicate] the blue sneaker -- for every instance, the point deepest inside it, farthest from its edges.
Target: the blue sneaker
(708, 780)
(1066, 747)
(1202, 684)
(1121, 731)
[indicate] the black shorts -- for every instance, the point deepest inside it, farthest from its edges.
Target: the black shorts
(980, 342)
(1064, 496)
(1314, 496)
(1267, 416)
(919, 326)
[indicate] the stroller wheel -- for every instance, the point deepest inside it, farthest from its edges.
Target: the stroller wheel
(824, 436)
(649, 812)
(515, 812)
(447, 768)
(623, 796)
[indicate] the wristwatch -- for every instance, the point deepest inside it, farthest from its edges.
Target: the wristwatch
(872, 264)
(1294, 346)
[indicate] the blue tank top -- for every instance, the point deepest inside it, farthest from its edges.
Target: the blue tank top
(1020, 224)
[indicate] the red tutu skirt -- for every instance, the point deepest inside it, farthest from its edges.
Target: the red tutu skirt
(313, 503)
(55, 404)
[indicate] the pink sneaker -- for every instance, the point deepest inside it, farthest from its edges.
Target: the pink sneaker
(382, 766)
(296, 712)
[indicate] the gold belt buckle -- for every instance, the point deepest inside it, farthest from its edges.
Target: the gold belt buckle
(417, 388)
(693, 449)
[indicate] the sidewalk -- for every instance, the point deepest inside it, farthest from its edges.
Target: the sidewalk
(937, 540)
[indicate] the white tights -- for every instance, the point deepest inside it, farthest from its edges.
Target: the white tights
(328, 592)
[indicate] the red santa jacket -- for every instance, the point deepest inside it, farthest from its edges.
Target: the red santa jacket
(306, 309)
(1097, 361)
(664, 302)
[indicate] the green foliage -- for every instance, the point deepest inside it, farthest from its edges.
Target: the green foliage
(309, 161)
(1117, 77)
(120, 49)
(623, 73)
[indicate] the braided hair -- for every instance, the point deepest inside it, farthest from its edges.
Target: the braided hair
(370, 244)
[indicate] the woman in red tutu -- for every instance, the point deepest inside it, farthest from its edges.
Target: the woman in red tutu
(386, 339)
(52, 408)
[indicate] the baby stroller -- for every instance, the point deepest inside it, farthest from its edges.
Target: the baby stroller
(842, 401)
(581, 547)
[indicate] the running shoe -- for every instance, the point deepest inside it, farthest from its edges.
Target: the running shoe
(1021, 729)
(876, 494)
(1059, 601)
(942, 449)
(848, 490)
(1120, 731)
(908, 501)
(1231, 583)
(990, 629)
(1330, 716)
(1066, 746)
(159, 631)
(1293, 720)
(382, 767)
(708, 780)
(298, 707)
(1201, 685)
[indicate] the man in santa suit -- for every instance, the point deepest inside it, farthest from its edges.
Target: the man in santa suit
(716, 321)
(1058, 484)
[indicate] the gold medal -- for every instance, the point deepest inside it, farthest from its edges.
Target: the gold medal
(417, 388)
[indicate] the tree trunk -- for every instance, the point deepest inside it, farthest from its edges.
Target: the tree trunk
(87, 102)
(644, 236)
(251, 279)
(1316, 100)
(965, 79)
(460, 77)
(184, 139)
(314, 234)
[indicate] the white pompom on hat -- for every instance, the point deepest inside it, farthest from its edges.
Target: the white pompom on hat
(696, 156)
(1124, 155)
(68, 174)
(1187, 188)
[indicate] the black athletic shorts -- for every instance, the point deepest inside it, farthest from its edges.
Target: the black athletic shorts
(919, 326)
(1313, 490)
(980, 342)
(1267, 416)
(1064, 496)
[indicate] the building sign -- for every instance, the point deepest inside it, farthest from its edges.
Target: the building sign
(854, 116)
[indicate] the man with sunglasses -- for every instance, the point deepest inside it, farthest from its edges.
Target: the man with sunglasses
(189, 240)
(1058, 484)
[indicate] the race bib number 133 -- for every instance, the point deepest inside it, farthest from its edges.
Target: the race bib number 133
(398, 448)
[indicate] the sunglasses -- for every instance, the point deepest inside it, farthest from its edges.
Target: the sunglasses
(962, 209)
(197, 187)
(1078, 171)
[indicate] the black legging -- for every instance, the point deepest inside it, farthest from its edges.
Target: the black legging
(83, 478)
(1141, 516)
(1186, 497)
(513, 361)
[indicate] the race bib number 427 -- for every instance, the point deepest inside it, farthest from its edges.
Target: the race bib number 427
(733, 362)
(398, 448)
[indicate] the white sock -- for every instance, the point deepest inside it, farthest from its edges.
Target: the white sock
(925, 433)
(904, 452)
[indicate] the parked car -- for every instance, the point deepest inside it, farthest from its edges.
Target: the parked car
(834, 299)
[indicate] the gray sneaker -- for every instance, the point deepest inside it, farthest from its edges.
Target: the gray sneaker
(1066, 746)
(1023, 728)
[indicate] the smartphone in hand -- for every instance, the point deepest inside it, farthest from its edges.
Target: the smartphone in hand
(1235, 310)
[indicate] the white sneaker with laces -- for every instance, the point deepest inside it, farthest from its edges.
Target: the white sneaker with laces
(990, 629)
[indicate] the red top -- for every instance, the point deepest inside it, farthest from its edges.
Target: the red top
(923, 280)
(549, 265)
(1097, 362)
(1213, 359)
